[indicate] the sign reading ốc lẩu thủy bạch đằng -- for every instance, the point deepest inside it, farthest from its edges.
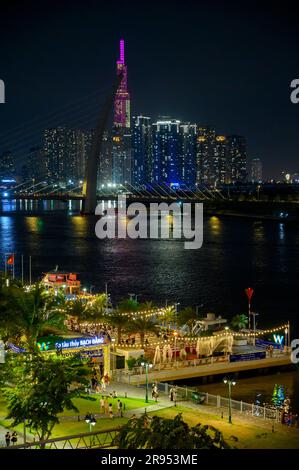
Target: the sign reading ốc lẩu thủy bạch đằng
(73, 343)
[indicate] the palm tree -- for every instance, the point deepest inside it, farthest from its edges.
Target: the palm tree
(239, 322)
(118, 320)
(143, 325)
(79, 309)
(99, 306)
(188, 316)
(169, 315)
(36, 310)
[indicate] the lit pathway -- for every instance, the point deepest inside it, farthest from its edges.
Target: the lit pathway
(166, 375)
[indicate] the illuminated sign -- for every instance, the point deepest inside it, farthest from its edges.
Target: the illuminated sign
(220, 138)
(116, 139)
(76, 343)
(278, 339)
(201, 139)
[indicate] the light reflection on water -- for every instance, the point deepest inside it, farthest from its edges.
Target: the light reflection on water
(236, 253)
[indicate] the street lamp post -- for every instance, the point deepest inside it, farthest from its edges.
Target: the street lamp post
(229, 382)
(254, 326)
(176, 312)
(90, 419)
(175, 334)
(147, 366)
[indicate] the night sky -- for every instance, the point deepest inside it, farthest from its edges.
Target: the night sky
(226, 64)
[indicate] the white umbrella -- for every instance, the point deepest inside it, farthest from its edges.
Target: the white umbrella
(169, 353)
(157, 357)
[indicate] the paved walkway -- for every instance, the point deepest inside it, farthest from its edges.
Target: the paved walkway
(221, 367)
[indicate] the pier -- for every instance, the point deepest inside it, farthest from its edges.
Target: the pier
(203, 370)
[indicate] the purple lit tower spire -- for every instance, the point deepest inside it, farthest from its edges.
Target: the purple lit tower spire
(122, 98)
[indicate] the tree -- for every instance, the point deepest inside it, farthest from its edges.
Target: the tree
(120, 321)
(188, 316)
(99, 306)
(143, 325)
(239, 322)
(33, 311)
(164, 433)
(43, 388)
(81, 310)
(169, 316)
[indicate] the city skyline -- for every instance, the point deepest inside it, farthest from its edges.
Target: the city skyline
(206, 81)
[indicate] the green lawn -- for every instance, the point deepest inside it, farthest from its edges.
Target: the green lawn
(65, 428)
(246, 432)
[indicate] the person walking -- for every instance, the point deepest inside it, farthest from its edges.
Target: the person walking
(106, 406)
(14, 438)
(171, 394)
(7, 439)
(102, 405)
(119, 408)
(111, 411)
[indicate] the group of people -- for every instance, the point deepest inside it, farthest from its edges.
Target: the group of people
(99, 382)
(11, 438)
(106, 408)
(290, 419)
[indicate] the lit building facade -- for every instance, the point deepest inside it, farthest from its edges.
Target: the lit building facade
(256, 170)
(205, 155)
(122, 98)
(7, 167)
(121, 133)
(166, 152)
(187, 157)
(141, 150)
(237, 159)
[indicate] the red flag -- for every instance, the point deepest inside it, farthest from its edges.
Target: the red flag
(249, 292)
(10, 259)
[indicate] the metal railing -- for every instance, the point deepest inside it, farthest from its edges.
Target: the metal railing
(97, 439)
(249, 409)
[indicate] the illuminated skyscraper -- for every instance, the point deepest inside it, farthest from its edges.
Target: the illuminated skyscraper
(166, 152)
(141, 149)
(237, 159)
(256, 170)
(122, 98)
(121, 134)
(205, 155)
(187, 158)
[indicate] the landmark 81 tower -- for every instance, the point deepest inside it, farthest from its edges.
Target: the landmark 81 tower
(122, 98)
(121, 135)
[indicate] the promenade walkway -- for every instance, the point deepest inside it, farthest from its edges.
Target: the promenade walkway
(216, 368)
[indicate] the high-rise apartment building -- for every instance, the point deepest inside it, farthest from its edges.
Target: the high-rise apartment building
(7, 165)
(187, 154)
(141, 150)
(205, 155)
(237, 159)
(256, 170)
(35, 165)
(166, 152)
(65, 153)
